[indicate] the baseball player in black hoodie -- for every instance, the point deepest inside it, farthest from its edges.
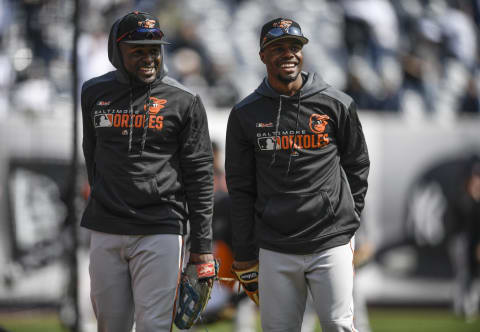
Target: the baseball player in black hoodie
(296, 168)
(150, 167)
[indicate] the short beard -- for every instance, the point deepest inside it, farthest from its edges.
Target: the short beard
(141, 81)
(288, 79)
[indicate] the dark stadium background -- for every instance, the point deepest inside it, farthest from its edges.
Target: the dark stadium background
(412, 66)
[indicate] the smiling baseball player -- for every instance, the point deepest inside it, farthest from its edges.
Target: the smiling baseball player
(299, 199)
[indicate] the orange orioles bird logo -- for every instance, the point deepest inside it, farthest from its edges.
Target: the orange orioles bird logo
(155, 105)
(284, 24)
(147, 24)
(318, 122)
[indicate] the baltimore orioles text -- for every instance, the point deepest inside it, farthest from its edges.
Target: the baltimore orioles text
(285, 140)
(122, 120)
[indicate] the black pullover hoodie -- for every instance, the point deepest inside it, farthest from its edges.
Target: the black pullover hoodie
(296, 169)
(152, 174)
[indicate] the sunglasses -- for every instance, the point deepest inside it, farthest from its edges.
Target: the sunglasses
(142, 34)
(278, 32)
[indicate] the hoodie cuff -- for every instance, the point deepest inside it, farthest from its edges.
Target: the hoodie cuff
(203, 246)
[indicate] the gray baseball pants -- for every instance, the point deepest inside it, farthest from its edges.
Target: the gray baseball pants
(134, 278)
(284, 281)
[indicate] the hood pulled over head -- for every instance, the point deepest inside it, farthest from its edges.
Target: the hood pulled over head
(135, 28)
(141, 29)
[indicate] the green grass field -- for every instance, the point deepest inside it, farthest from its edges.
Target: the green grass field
(382, 320)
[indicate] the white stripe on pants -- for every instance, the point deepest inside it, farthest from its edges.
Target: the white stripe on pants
(284, 280)
(134, 277)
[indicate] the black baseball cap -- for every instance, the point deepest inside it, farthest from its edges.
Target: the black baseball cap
(281, 28)
(140, 28)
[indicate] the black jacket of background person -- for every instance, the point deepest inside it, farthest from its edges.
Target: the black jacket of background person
(310, 201)
(157, 188)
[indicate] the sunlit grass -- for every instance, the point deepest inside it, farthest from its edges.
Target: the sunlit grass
(419, 320)
(31, 321)
(382, 320)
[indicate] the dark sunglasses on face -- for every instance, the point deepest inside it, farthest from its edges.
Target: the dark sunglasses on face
(142, 34)
(278, 32)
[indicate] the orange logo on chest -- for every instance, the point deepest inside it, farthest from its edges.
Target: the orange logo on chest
(155, 105)
(318, 122)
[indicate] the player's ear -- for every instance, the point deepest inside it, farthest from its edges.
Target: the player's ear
(262, 55)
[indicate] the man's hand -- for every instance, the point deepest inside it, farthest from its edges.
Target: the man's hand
(246, 273)
(195, 288)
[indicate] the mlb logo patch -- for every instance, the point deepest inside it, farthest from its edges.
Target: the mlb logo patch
(266, 143)
(103, 120)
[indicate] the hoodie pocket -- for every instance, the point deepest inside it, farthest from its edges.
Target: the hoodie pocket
(299, 215)
(132, 192)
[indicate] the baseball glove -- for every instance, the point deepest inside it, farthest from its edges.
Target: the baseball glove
(195, 287)
(248, 278)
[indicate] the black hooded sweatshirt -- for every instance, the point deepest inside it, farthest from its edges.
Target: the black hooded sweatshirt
(153, 174)
(296, 170)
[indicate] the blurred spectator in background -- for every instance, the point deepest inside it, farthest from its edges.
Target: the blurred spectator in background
(190, 62)
(439, 56)
(202, 52)
(459, 55)
(463, 215)
(93, 55)
(6, 75)
(372, 42)
(445, 207)
(6, 68)
(35, 32)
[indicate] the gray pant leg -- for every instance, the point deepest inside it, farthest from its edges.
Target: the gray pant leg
(283, 282)
(155, 270)
(282, 291)
(110, 289)
(330, 278)
(134, 276)
(361, 319)
(309, 316)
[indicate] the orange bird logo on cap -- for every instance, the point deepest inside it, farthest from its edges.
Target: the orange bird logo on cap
(284, 24)
(147, 24)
